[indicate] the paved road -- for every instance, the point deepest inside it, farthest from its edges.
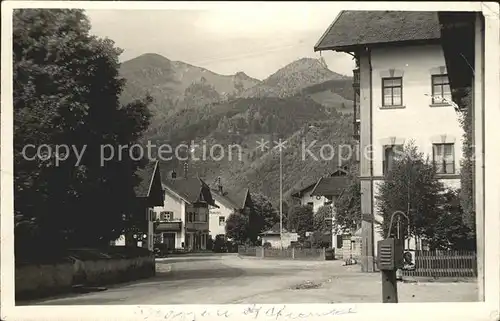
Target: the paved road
(226, 279)
(210, 279)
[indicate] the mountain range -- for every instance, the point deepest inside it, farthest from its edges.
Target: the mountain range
(302, 102)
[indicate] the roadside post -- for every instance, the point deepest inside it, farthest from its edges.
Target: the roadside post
(390, 259)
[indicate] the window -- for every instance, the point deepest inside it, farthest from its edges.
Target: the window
(392, 91)
(190, 217)
(391, 153)
(441, 92)
(202, 217)
(443, 157)
(310, 204)
(166, 216)
(222, 220)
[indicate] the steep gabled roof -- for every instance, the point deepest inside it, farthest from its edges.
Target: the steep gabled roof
(341, 171)
(146, 176)
(330, 186)
(192, 190)
(231, 199)
(303, 190)
(361, 28)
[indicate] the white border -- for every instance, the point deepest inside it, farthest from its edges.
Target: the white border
(487, 310)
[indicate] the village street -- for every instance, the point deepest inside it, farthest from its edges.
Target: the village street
(228, 279)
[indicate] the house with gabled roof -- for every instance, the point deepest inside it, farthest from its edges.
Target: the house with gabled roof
(320, 192)
(182, 222)
(403, 92)
(227, 202)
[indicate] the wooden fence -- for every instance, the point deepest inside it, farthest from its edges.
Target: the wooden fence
(444, 264)
(247, 251)
(288, 253)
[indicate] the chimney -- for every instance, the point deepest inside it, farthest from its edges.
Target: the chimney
(219, 185)
(174, 174)
(185, 170)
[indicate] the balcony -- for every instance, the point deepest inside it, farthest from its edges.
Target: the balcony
(168, 226)
(197, 226)
(355, 80)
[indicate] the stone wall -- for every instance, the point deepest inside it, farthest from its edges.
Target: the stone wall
(49, 279)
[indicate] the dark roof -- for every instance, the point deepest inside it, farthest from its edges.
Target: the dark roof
(231, 199)
(330, 186)
(457, 38)
(355, 28)
(275, 230)
(192, 190)
(300, 192)
(145, 176)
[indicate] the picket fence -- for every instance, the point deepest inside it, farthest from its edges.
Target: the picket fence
(444, 264)
(288, 253)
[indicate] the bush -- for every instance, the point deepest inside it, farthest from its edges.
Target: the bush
(219, 245)
(267, 245)
(210, 243)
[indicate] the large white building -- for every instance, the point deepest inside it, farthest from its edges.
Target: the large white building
(227, 203)
(325, 192)
(418, 74)
(183, 221)
(402, 94)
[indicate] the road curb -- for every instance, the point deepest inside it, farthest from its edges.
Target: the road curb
(163, 268)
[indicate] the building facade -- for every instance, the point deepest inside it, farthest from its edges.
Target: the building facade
(183, 220)
(275, 239)
(408, 87)
(304, 197)
(402, 95)
(227, 203)
(322, 192)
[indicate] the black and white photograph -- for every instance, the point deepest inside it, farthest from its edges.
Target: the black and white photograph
(258, 155)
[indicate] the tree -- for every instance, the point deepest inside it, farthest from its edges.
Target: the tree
(300, 219)
(263, 215)
(237, 227)
(321, 221)
(467, 163)
(348, 207)
(411, 183)
(66, 92)
(451, 232)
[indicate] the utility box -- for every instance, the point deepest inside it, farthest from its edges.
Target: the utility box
(390, 254)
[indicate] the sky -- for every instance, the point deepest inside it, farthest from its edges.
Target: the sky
(257, 39)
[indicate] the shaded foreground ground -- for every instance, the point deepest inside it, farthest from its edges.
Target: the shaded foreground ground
(228, 279)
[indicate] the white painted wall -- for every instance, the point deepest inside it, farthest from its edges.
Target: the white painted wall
(275, 240)
(317, 203)
(215, 213)
(418, 121)
(176, 205)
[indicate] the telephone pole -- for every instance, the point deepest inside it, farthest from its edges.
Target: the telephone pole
(281, 200)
